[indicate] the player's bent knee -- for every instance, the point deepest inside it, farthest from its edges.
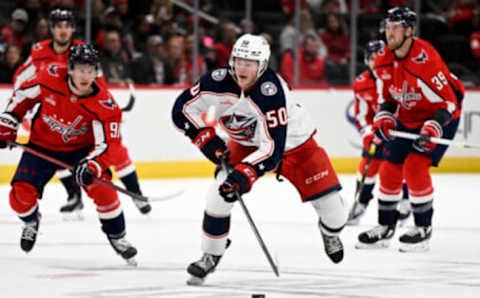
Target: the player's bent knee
(23, 197)
(332, 211)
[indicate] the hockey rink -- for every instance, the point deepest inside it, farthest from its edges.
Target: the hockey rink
(74, 259)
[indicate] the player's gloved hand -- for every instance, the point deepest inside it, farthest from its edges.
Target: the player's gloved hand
(240, 180)
(430, 128)
(383, 122)
(8, 129)
(211, 145)
(85, 170)
(367, 137)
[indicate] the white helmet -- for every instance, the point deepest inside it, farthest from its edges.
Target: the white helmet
(252, 47)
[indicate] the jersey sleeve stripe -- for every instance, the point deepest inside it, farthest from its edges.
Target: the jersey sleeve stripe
(26, 74)
(99, 136)
(20, 95)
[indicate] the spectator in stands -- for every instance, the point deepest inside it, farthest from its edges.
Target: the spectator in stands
(189, 43)
(475, 47)
(311, 66)
(176, 55)
(228, 35)
(142, 30)
(114, 60)
(9, 64)
(337, 42)
(152, 67)
(14, 32)
(336, 39)
(289, 33)
(122, 7)
(40, 33)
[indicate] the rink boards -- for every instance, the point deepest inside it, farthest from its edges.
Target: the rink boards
(159, 150)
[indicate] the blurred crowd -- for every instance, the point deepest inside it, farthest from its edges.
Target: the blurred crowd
(151, 41)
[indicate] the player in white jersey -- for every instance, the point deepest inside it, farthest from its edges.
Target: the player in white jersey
(268, 131)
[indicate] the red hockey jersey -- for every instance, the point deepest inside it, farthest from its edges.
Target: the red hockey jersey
(366, 99)
(66, 122)
(420, 83)
(41, 55)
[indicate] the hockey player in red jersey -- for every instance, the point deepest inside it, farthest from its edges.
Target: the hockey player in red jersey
(418, 95)
(366, 105)
(254, 106)
(55, 51)
(78, 122)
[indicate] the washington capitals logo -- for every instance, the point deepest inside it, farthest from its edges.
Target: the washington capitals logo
(52, 69)
(108, 103)
(239, 127)
(421, 58)
(68, 132)
(406, 98)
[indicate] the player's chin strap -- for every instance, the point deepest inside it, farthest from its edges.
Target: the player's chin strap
(227, 169)
(440, 141)
(69, 167)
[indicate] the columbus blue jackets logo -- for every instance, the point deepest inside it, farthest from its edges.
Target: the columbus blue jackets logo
(239, 127)
(421, 58)
(108, 103)
(268, 89)
(219, 74)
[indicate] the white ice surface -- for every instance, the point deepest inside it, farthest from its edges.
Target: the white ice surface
(74, 259)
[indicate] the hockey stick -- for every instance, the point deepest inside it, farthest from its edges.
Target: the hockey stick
(412, 136)
(361, 184)
(69, 167)
(166, 197)
(131, 99)
(225, 167)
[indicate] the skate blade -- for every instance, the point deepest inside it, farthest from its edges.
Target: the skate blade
(353, 222)
(381, 244)
(76, 215)
(195, 281)
(131, 262)
(423, 246)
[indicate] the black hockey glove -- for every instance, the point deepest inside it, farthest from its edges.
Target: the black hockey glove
(212, 146)
(240, 180)
(85, 171)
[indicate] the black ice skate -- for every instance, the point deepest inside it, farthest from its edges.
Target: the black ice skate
(126, 250)
(143, 206)
(200, 269)
(72, 209)
(416, 239)
(333, 247)
(357, 211)
(378, 237)
(29, 233)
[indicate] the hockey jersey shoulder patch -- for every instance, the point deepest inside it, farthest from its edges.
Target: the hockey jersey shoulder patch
(219, 74)
(268, 88)
(421, 58)
(108, 103)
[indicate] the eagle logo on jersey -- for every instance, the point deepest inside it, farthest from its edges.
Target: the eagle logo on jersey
(268, 89)
(68, 132)
(407, 99)
(36, 46)
(108, 103)
(421, 58)
(219, 74)
(239, 127)
(52, 69)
